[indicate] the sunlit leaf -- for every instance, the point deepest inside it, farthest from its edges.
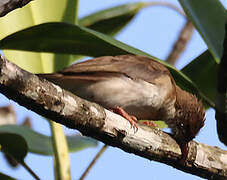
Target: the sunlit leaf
(35, 13)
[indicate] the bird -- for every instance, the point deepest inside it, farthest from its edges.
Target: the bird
(140, 86)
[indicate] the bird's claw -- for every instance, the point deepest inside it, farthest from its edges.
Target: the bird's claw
(131, 119)
(133, 122)
(150, 123)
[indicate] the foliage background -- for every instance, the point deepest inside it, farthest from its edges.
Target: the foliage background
(154, 30)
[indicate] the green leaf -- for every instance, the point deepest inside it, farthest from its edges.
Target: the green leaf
(161, 124)
(209, 19)
(41, 144)
(13, 144)
(37, 13)
(73, 39)
(112, 20)
(5, 177)
(203, 72)
(63, 11)
(65, 38)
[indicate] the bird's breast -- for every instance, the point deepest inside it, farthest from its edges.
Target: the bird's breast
(137, 97)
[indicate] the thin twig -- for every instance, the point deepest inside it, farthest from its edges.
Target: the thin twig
(166, 4)
(98, 155)
(185, 34)
(29, 170)
(181, 43)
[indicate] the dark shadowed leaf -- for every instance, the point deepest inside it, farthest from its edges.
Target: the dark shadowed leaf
(111, 21)
(41, 144)
(108, 21)
(221, 97)
(13, 144)
(209, 19)
(200, 70)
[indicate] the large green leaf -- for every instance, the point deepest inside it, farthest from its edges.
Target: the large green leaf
(32, 14)
(41, 144)
(208, 16)
(73, 39)
(110, 21)
(203, 72)
(13, 144)
(62, 11)
(35, 13)
(65, 38)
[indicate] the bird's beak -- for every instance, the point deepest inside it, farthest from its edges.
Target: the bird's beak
(184, 152)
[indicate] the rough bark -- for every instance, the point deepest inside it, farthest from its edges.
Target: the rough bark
(92, 120)
(7, 6)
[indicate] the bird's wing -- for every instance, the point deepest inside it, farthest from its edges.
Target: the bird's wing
(135, 67)
(107, 67)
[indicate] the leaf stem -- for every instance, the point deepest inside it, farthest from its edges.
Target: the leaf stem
(98, 155)
(29, 170)
(76, 12)
(167, 4)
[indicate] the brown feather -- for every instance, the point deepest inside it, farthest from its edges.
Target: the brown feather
(135, 67)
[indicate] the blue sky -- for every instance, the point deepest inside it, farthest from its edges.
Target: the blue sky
(154, 30)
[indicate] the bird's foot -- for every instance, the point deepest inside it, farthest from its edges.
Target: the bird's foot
(131, 119)
(149, 123)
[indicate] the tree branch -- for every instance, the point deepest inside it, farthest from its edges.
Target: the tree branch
(92, 120)
(7, 6)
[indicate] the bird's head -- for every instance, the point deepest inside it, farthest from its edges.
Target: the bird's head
(189, 118)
